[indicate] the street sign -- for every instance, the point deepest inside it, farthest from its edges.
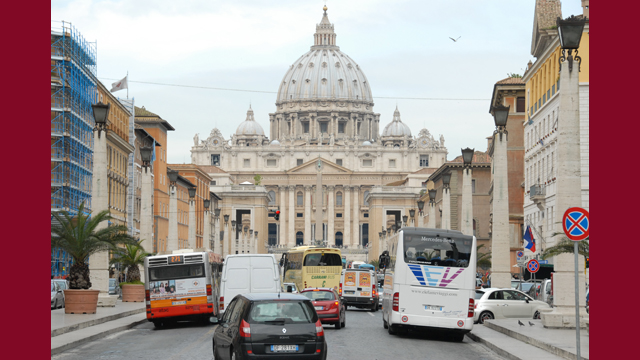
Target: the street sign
(533, 266)
(575, 223)
(520, 254)
(543, 261)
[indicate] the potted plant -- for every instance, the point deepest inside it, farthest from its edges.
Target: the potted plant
(77, 235)
(131, 257)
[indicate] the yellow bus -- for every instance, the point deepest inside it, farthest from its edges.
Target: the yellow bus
(312, 266)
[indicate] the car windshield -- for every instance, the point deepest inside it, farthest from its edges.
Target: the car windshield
(176, 272)
(112, 282)
(319, 295)
(281, 312)
(427, 249)
(525, 286)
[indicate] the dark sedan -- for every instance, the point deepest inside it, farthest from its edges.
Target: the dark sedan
(269, 326)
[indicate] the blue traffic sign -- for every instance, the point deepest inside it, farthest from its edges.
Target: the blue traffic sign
(533, 266)
(520, 254)
(543, 261)
(575, 223)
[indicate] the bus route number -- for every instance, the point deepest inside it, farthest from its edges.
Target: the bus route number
(175, 259)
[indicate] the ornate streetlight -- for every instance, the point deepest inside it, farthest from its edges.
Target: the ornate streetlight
(412, 213)
(146, 153)
(467, 158)
(226, 218)
(173, 176)
(404, 219)
(570, 33)
(100, 114)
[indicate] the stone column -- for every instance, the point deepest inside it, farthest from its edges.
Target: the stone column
(446, 209)
(146, 211)
(283, 206)
(224, 245)
(192, 224)
(467, 204)
(355, 239)
(346, 234)
(500, 247)
(319, 203)
(206, 229)
(330, 216)
(291, 215)
(568, 194)
(421, 219)
(99, 262)
(431, 224)
(307, 214)
(172, 240)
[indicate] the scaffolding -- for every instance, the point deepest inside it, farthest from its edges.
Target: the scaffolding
(73, 91)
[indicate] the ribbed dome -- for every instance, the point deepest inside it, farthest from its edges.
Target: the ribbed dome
(249, 126)
(396, 127)
(324, 72)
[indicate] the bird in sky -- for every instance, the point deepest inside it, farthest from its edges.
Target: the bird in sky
(519, 322)
(455, 40)
(531, 324)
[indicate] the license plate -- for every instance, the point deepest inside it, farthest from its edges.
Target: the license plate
(179, 302)
(365, 293)
(349, 292)
(432, 307)
(318, 307)
(284, 348)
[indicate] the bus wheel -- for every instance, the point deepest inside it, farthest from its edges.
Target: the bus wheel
(392, 330)
(157, 324)
(384, 324)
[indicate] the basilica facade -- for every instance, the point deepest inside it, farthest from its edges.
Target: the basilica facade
(326, 166)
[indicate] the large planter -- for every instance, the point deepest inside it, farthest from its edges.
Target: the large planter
(80, 301)
(132, 293)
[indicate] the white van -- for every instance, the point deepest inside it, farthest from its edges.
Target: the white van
(358, 288)
(248, 273)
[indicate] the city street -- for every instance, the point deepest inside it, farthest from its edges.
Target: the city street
(362, 338)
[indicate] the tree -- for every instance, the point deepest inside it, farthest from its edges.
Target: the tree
(130, 257)
(483, 259)
(375, 263)
(566, 246)
(257, 180)
(77, 235)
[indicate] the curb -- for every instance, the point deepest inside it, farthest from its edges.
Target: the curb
(70, 328)
(494, 348)
(67, 346)
(534, 342)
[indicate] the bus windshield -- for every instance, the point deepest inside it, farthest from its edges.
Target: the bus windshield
(439, 251)
(176, 272)
(318, 259)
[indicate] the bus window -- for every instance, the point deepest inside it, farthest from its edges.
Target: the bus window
(439, 251)
(318, 259)
(176, 272)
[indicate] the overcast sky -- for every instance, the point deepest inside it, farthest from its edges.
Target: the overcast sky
(403, 47)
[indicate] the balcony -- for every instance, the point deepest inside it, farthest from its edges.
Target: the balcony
(537, 194)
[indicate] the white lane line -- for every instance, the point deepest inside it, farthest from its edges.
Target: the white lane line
(370, 314)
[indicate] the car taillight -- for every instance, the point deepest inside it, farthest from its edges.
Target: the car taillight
(471, 307)
(374, 289)
(396, 302)
(208, 290)
(319, 329)
(245, 329)
(340, 290)
(335, 304)
(147, 295)
(221, 302)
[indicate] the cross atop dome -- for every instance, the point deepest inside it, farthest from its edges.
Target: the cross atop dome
(324, 35)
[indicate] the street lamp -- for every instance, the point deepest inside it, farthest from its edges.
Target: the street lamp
(446, 179)
(251, 232)
(570, 33)
(192, 192)
(394, 227)
(216, 212)
(146, 152)
(384, 233)
(233, 224)
(206, 204)
(404, 219)
(226, 218)
(432, 196)
(500, 116)
(412, 213)
(380, 235)
(173, 176)
(467, 157)
(100, 114)
(420, 206)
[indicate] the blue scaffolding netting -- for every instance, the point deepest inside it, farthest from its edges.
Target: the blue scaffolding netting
(73, 90)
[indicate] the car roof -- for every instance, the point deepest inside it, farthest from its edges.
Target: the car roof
(317, 289)
(274, 296)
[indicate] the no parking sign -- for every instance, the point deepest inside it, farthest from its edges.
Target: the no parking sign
(575, 223)
(533, 266)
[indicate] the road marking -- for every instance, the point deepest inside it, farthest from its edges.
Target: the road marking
(370, 314)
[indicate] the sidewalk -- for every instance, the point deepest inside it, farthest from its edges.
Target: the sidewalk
(71, 330)
(512, 341)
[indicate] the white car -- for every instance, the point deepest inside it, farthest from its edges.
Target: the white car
(494, 303)
(290, 288)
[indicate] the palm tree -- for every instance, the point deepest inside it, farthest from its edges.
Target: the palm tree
(130, 257)
(77, 235)
(483, 259)
(566, 246)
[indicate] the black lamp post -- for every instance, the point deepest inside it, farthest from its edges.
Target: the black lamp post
(384, 232)
(500, 116)
(206, 203)
(233, 224)
(446, 179)
(226, 218)
(380, 235)
(412, 213)
(404, 219)
(394, 227)
(100, 114)
(420, 206)
(432, 196)
(467, 158)
(192, 192)
(146, 152)
(570, 34)
(173, 176)
(216, 212)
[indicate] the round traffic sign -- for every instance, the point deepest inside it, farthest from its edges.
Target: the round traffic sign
(533, 266)
(405, 319)
(575, 223)
(520, 254)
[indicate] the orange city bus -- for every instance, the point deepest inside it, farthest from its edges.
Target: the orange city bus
(182, 285)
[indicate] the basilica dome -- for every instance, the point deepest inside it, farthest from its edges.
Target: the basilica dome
(396, 127)
(249, 126)
(324, 72)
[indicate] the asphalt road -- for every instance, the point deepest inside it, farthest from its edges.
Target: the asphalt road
(362, 338)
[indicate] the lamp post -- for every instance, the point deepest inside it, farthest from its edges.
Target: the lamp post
(569, 299)
(432, 209)
(404, 220)
(192, 218)
(146, 204)
(412, 213)
(501, 249)
(172, 241)
(215, 238)
(225, 241)
(99, 262)
(446, 201)
(467, 196)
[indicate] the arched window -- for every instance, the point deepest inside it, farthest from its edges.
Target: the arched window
(299, 238)
(338, 238)
(364, 198)
(339, 199)
(272, 198)
(300, 202)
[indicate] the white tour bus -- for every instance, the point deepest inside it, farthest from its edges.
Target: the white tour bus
(430, 281)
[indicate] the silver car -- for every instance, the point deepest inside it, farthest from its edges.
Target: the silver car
(494, 303)
(57, 297)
